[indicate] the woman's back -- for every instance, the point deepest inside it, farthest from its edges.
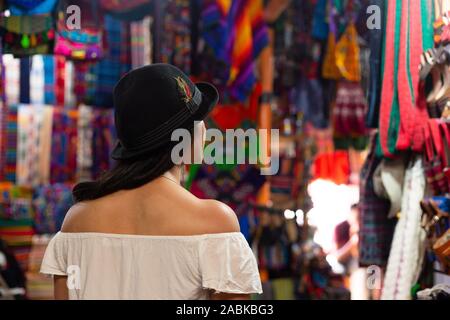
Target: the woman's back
(166, 245)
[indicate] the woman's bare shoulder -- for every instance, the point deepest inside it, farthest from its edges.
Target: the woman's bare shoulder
(216, 217)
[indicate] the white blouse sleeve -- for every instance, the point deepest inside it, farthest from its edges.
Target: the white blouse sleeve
(228, 265)
(54, 262)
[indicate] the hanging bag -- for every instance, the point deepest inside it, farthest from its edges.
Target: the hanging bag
(347, 54)
(329, 69)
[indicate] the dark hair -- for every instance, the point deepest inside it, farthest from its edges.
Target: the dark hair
(126, 175)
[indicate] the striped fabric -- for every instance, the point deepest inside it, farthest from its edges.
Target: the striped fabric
(402, 109)
(237, 33)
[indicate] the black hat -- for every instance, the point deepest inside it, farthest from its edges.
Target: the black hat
(151, 102)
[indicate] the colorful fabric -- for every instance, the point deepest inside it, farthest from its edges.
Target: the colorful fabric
(51, 203)
(63, 146)
(37, 81)
(103, 141)
(402, 111)
(237, 186)
(141, 47)
(116, 62)
(84, 144)
(237, 34)
(408, 245)
(49, 80)
(30, 7)
(174, 32)
(9, 168)
(375, 228)
(27, 35)
(33, 146)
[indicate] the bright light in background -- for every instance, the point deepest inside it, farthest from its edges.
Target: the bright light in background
(289, 214)
(7, 13)
(300, 217)
(331, 206)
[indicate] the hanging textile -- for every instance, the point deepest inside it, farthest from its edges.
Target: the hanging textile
(31, 7)
(33, 145)
(402, 113)
(237, 186)
(27, 35)
(37, 85)
(12, 78)
(103, 141)
(408, 246)
(141, 39)
(376, 40)
(24, 80)
(80, 44)
(375, 229)
(51, 203)
(103, 76)
(63, 146)
(85, 138)
(60, 80)
(49, 80)
(16, 221)
(130, 10)
(348, 116)
(175, 34)
(237, 34)
(9, 165)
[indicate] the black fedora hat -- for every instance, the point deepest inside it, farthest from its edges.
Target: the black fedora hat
(151, 102)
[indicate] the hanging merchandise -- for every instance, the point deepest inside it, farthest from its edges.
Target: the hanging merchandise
(63, 146)
(51, 203)
(9, 133)
(348, 116)
(236, 33)
(403, 110)
(330, 69)
(27, 35)
(375, 228)
(376, 39)
(103, 141)
(347, 54)
(174, 45)
(141, 42)
(85, 138)
(49, 80)
(408, 245)
(80, 44)
(37, 88)
(102, 76)
(130, 10)
(31, 7)
(33, 145)
(16, 221)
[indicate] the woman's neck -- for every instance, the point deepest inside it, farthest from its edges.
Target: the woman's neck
(174, 174)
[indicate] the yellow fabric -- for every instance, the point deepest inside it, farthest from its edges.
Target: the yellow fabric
(347, 55)
(330, 69)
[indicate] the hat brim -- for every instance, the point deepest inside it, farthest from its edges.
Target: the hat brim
(210, 98)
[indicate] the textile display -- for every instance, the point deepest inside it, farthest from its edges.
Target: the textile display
(375, 228)
(408, 245)
(402, 113)
(237, 33)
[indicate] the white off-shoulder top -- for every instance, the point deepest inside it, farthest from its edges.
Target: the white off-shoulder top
(116, 266)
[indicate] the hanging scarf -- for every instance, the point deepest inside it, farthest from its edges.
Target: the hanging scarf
(402, 112)
(237, 34)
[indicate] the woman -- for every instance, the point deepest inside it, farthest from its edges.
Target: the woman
(136, 233)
